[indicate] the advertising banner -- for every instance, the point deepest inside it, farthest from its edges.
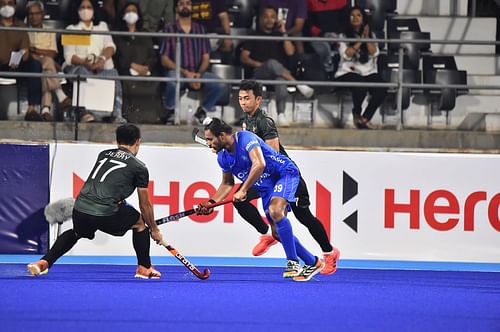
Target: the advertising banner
(374, 205)
(24, 192)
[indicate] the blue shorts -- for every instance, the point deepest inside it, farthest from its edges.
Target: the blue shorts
(285, 187)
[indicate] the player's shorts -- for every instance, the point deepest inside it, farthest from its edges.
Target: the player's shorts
(85, 225)
(285, 187)
(301, 195)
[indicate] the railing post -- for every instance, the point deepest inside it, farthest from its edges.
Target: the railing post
(177, 118)
(399, 124)
(473, 8)
(76, 112)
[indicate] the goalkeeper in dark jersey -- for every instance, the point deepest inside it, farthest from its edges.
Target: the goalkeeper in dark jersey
(101, 205)
(258, 122)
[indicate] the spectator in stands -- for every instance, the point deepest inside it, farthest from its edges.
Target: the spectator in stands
(195, 59)
(95, 58)
(358, 63)
(269, 59)
(294, 13)
(111, 8)
(43, 47)
(212, 14)
(155, 13)
(326, 19)
(135, 55)
(18, 41)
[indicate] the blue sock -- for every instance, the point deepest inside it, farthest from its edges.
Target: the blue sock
(303, 253)
(284, 229)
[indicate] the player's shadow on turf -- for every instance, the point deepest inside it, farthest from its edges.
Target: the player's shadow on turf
(32, 233)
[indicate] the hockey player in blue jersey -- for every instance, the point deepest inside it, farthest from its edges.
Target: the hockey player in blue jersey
(246, 156)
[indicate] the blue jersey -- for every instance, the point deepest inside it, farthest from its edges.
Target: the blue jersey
(239, 163)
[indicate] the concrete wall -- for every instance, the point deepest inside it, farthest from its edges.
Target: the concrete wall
(432, 8)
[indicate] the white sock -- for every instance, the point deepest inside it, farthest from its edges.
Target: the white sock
(60, 95)
(46, 109)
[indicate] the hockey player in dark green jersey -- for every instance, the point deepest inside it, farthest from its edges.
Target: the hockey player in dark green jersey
(101, 205)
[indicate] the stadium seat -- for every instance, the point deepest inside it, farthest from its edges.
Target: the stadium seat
(396, 25)
(377, 11)
(389, 70)
(21, 9)
(441, 62)
(435, 62)
(444, 99)
(242, 12)
(59, 10)
(408, 29)
(227, 72)
(9, 93)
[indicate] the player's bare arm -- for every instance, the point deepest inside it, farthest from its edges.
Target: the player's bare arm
(258, 165)
(274, 143)
(224, 189)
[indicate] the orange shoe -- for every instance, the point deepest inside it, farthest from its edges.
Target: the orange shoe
(143, 273)
(331, 260)
(265, 242)
(38, 268)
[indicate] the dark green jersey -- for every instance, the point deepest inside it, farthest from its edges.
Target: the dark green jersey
(263, 126)
(114, 177)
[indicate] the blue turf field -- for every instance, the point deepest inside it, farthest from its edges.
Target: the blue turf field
(78, 297)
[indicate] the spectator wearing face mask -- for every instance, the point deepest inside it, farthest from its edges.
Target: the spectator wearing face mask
(16, 41)
(135, 56)
(155, 13)
(95, 58)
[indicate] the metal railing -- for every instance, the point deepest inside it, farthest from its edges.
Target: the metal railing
(399, 85)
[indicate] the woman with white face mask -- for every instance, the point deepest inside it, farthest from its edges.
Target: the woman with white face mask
(136, 56)
(18, 41)
(94, 58)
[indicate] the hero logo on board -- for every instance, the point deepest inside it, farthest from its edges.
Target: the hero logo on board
(199, 191)
(445, 203)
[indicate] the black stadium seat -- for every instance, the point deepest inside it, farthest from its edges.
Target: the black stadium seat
(377, 11)
(242, 12)
(21, 9)
(58, 10)
(389, 70)
(430, 62)
(408, 29)
(226, 72)
(441, 62)
(443, 70)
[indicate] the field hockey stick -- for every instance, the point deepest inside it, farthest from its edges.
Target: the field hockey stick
(199, 139)
(178, 215)
(186, 263)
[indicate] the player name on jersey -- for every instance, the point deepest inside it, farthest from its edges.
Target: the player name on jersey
(118, 154)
